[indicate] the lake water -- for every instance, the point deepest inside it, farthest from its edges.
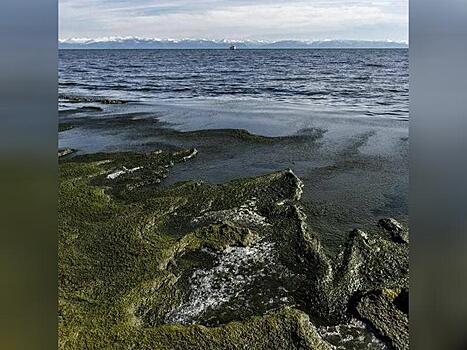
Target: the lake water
(367, 82)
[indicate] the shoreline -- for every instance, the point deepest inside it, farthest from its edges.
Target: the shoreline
(334, 156)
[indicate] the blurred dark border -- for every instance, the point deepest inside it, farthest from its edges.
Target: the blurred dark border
(28, 174)
(438, 174)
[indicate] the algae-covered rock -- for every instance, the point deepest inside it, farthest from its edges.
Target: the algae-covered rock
(284, 329)
(95, 99)
(387, 311)
(368, 262)
(133, 255)
(202, 266)
(398, 233)
(64, 127)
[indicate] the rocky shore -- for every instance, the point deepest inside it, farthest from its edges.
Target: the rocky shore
(212, 266)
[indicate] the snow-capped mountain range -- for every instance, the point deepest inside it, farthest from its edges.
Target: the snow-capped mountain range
(154, 43)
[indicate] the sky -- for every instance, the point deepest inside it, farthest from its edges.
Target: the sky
(269, 20)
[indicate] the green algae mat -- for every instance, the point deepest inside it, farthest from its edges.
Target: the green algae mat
(203, 266)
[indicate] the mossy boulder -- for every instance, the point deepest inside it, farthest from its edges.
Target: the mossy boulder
(369, 261)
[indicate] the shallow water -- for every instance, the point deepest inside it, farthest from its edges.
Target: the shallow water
(355, 169)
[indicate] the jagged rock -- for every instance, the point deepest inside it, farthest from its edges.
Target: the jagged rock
(398, 233)
(141, 247)
(387, 312)
(367, 262)
(135, 258)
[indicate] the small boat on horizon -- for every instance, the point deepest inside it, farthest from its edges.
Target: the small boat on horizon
(233, 47)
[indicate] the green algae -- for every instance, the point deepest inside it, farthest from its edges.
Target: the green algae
(119, 240)
(385, 312)
(127, 247)
(284, 329)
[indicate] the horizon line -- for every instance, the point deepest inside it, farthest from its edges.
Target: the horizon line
(83, 40)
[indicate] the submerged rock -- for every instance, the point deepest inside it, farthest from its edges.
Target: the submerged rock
(97, 99)
(64, 127)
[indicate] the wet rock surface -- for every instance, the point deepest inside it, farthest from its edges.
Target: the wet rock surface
(63, 152)
(203, 266)
(398, 233)
(81, 99)
(387, 311)
(64, 127)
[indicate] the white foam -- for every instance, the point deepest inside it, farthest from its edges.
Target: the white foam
(225, 281)
(191, 155)
(117, 173)
(354, 332)
(246, 214)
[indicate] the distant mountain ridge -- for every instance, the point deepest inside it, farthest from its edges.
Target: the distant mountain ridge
(145, 43)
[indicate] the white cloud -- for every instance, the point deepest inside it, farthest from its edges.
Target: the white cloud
(266, 19)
